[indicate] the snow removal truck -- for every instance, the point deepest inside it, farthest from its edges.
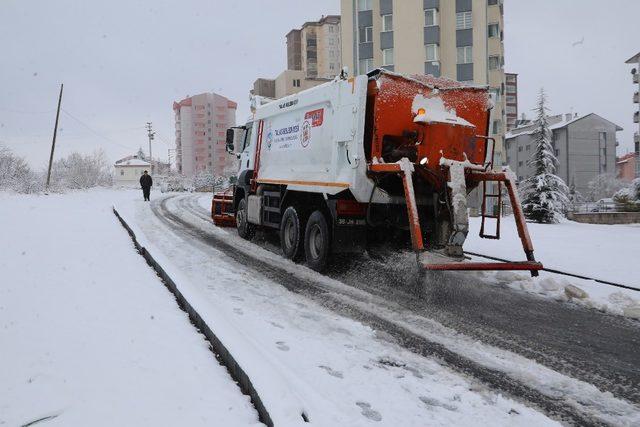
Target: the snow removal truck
(374, 158)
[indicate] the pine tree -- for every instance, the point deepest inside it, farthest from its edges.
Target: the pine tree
(544, 194)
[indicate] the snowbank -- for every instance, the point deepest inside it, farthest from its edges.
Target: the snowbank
(606, 252)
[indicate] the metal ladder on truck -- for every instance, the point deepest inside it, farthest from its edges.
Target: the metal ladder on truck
(496, 215)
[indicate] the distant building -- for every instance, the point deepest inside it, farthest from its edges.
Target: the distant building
(511, 101)
(626, 167)
(201, 125)
(584, 145)
(128, 171)
(294, 50)
(313, 57)
(320, 48)
(635, 72)
(265, 87)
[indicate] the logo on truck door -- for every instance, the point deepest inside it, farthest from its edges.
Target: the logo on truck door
(306, 133)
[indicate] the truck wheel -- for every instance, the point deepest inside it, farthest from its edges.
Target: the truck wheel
(317, 241)
(245, 229)
(292, 234)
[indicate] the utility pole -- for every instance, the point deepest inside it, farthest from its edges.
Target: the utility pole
(151, 135)
(53, 143)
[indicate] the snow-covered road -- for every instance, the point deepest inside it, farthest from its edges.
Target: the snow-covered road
(88, 333)
(503, 331)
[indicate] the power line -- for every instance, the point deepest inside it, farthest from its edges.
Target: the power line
(92, 130)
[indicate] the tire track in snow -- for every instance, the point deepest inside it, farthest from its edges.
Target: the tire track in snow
(594, 347)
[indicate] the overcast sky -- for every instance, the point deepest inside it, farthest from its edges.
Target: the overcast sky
(124, 62)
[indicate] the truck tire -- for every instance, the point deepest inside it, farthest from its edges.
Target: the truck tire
(317, 242)
(245, 229)
(292, 234)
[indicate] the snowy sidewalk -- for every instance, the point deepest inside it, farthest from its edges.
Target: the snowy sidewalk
(88, 334)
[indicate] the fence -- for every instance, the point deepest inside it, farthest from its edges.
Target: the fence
(602, 206)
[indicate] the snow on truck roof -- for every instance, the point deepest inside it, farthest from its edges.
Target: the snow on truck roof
(427, 80)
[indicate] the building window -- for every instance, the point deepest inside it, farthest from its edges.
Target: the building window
(432, 52)
(465, 55)
(497, 127)
(366, 34)
(463, 20)
(520, 163)
(494, 62)
(365, 65)
(387, 56)
(365, 5)
(520, 148)
(387, 22)
(494, 30)
(528, 147)
(557, 152)
(492, 2)
(495, 95)
(430, 17)
(121, 172)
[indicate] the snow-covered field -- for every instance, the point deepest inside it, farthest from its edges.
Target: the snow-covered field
(88, 333)
(605, 252)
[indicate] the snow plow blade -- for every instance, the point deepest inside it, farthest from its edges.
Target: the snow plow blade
(439, 262)
(221, 209)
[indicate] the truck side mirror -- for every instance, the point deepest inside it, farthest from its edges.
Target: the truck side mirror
(229, 140)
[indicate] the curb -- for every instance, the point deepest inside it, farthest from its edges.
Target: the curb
(221, 352)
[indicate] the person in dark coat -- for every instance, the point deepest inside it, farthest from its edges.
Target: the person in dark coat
(146, 182)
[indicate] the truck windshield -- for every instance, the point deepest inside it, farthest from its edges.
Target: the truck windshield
(247, 138)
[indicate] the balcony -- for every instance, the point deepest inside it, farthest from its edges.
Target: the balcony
(636, 98)
(636, 117)
(636, 138)
(636, 78)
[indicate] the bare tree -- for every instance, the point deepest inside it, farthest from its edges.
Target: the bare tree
(604, 186)
(81, 171)
(15, 173)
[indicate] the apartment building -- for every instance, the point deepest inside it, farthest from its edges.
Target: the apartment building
(313, 57)
(511, 100)
(635, 72)
(585, 147)
(458, 39)
(201, 123)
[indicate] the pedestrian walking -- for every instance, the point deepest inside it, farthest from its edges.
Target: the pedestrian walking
(146, 182)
